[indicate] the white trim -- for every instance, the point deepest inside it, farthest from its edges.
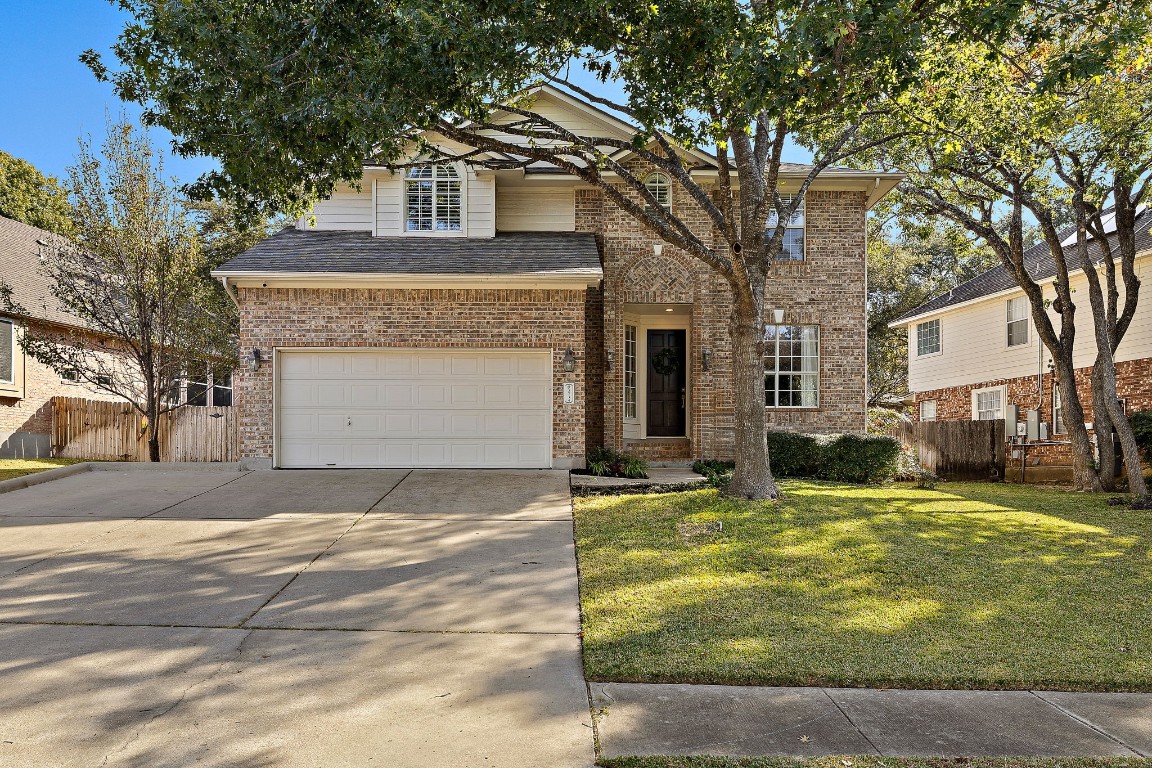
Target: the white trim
(998, 294)
(11, 382)
(462, 177)
(404, 280)
(1027, 320)
(645, 323)
(375, 209)
(1002, 389)
(914, 342)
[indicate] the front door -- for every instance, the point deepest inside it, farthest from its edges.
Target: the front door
(666, 384)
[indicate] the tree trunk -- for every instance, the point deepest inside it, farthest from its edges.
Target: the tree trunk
(1102, 425)
(1084, 474)
(753, 476)
(1128, 447)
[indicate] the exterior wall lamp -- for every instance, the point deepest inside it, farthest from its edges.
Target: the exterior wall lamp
(569, 360)
(254, 359)
(610, 358)
(706, 359)
(778, 316)
(657, 249)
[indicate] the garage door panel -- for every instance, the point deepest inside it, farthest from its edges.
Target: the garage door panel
(405, 408)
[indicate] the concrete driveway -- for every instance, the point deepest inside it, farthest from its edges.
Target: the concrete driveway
(291, 618)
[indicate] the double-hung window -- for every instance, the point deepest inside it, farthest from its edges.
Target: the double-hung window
(928, 338)
(629, 371)
(793, 247)
(988, 404)
(927, 410)
(1018, 321)
(792, 366)
(432, 199)
(7, 352)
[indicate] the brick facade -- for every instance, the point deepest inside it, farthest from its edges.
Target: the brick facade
(1133, 384)
(827, 289)
(26, 422)
(338, 317)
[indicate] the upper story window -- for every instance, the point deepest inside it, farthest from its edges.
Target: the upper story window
(793, 248)
(7, 352)
(432, 199)
(660, 188)
(792, 366)
(928, 338)
(1018, 321)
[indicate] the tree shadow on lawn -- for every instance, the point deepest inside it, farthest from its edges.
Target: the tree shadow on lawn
(973, 587)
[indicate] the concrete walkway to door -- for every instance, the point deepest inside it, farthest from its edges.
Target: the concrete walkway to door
(291, 618)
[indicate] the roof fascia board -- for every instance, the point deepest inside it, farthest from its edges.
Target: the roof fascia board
(240, 279)
(989, 297)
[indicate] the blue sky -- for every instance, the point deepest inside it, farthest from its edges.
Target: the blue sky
(51, 99)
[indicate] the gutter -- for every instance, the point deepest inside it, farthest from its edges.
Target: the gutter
(238, 278)
(228, 290)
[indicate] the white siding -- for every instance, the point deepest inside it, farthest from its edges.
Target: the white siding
(974, 344)
(347, 209)
(389, 205)
(578, 121)
(535, 209)
(481, 204)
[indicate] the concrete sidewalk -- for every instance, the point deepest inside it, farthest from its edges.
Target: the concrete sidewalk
(738, 721)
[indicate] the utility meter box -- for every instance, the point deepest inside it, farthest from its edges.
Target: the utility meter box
(1033, 425)
(1011, 416)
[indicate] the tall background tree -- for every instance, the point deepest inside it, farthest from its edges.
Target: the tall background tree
(294, 97)
(32, 197)
(1006, 140)
(134, 272)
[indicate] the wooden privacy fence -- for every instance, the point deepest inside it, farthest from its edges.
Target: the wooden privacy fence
(958, 450)
(109, 431)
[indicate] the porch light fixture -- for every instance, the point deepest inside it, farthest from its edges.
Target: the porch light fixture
(706, 359)
(254, 359)
(657, 249)
(569, 360)
(778, 314)
(670, 309)
(610, 358)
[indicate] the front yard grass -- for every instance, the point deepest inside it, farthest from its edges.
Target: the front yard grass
(10, 468)
(967, 586)
(875, 762)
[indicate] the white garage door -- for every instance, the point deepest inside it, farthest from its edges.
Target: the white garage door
(407, 408)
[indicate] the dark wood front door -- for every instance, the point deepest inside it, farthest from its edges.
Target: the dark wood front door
(666, 384)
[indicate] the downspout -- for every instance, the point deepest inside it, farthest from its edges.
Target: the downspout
(228, 290)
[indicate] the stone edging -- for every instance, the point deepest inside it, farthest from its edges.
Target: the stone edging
(47, 476)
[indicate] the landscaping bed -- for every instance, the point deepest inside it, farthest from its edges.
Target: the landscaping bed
(967, 586)
(11, 468)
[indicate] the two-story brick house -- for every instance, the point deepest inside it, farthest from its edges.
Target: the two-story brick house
(458, 315)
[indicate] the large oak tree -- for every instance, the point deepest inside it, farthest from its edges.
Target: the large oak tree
(293, 97)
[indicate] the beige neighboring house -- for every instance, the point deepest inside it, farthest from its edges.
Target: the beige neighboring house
(26, 385)
(451, 315)
(973, 352)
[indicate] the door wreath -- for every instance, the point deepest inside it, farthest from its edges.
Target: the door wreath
(666, 362)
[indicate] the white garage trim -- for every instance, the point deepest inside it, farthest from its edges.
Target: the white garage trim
(412, 407)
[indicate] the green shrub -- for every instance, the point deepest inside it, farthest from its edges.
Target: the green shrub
(1142, 425)
(847, 457)
(605, 462)
(719, 473)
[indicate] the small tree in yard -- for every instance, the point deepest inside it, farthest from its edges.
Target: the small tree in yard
(294, 97)
(1007, 133)
(135, 273)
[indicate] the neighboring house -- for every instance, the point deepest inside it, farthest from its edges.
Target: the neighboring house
(26, 385)
(457, 316)
(973, 352)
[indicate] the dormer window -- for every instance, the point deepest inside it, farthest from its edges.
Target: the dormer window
(432, 199)
(660, 188)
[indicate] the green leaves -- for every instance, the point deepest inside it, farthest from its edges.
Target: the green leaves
(29, 196)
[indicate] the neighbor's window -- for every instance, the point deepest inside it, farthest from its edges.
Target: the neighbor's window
(792, 366)
(222, 388)
(1057, 412)
(629, 371)
(1018, 321)
(432, 196)
(988, 404)
(7, 352)
(660, 188)
(928, 338)
(197, 387)
(793, 248)
(927, 410)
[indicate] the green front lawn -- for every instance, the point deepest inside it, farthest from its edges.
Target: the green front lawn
(875, 762)
(10, 468)
(968, 586)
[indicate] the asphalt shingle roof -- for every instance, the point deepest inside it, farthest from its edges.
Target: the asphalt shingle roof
(20, 268)
(1039, 263)
(546, 253)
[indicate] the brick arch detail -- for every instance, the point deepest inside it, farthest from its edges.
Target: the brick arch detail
(650, 279)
